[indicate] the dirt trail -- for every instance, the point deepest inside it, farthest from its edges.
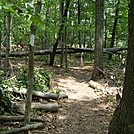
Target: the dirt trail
(84, 112)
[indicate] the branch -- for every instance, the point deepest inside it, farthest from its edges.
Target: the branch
(69, 50)
(25, 128)
(44, 95)
(4, 118)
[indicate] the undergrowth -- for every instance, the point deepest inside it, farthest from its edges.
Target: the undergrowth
(42, 81)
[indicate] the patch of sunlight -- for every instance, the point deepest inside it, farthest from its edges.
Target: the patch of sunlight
(62, 117)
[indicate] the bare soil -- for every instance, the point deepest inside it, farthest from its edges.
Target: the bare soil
(85, 111)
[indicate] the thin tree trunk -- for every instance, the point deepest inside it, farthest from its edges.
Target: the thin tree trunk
(46, 31)
(79, 32)
(62, 40)
(72, 38)
(8, 30)
(98, 58)
(91, 36)
(52, 56)
(31, 67)
(0, 45)
(114, 28)
(123, 118)
(105, 42)
(65, 40)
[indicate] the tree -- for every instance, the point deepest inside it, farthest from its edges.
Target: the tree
(8, 31)
(123, 118)
(60, 32)
(62, 43)
(98, 58)
(79, 32)
(0, 44)
(31, 65)
(114, 28)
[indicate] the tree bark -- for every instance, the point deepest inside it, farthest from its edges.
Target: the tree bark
(62, 37)
(0, 44)
(8, 30)
(98, 58)
(79, 32)
(123, 118)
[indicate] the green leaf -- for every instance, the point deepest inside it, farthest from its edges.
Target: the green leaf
(10, 9)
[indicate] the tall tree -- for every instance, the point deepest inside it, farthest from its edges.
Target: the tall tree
(98, 58)
(0, 44)
(114, 28)
(123, 118)
(79, 32)
(62, 43)
(8, 31)
(31, 65)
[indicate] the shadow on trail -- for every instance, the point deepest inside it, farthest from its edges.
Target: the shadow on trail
(84, 115)
(80, 74)
(81, 117)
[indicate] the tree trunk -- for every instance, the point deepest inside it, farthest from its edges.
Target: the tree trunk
(52, 56)
(123, 118)
(105, 25)
(91, 36)
(62, 41)
(31, 66)
(8, 30)
(65, 40)
(98, 58)
(114, 28)
(79, 32)
(0, 45)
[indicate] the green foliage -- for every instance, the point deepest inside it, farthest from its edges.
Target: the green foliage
(111, 99)
(42, 79)
(5, 103)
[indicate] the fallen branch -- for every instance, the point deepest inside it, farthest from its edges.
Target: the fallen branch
(96, 85)
(44, 95)
(50, 106)
(4, 118)
(25, 128)
(105, 74)
(47, 106)
(69, 50)
(113, 90)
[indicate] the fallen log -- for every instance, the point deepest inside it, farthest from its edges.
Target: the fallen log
(110, 90)
(4, 118)
(96, 85)
(69, 50)
(47, 106)
(105, 50)
(25, 128)
(44, 95)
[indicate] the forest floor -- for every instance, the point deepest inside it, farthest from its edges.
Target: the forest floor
(85, 111)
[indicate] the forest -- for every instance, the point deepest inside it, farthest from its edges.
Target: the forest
(66, 67)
